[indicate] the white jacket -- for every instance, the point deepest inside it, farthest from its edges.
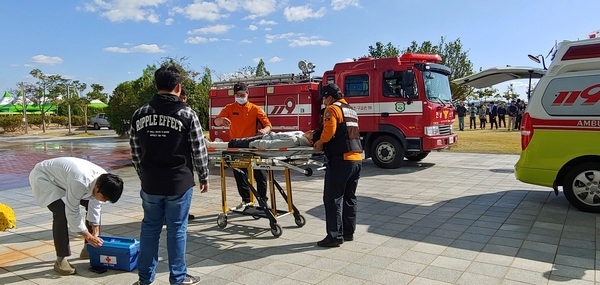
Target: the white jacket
(71, 179)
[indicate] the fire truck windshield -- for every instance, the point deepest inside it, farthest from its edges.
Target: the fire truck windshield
(437, 87)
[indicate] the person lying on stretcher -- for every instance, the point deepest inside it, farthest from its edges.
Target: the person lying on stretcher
(275, 140)
(271, 140)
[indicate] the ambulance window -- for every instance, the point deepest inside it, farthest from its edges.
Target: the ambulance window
(356, 85)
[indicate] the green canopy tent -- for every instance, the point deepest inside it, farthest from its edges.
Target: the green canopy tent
(97, 104)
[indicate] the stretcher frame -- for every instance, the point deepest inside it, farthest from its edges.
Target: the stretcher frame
(269, 160)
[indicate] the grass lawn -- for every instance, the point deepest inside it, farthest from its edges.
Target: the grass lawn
(486, 141)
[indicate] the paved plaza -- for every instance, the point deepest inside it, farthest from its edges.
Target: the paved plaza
(455, 218)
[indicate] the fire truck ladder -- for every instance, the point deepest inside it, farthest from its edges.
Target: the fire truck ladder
(263, 80)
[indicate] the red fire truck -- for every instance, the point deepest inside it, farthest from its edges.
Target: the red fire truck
(404, 103)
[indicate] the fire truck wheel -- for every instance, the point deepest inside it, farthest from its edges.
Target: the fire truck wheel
(582, 187)
(387, 152)
(418, 156)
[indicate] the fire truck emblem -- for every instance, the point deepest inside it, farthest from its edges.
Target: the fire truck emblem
(400, 107)
(446, 114)
(289, 105)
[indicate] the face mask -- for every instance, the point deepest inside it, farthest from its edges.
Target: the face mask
(242, 100)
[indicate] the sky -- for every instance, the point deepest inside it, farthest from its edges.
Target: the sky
(107, 42)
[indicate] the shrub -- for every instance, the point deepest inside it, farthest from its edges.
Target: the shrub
(11, 123)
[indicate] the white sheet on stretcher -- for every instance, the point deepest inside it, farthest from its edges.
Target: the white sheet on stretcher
(217, 148)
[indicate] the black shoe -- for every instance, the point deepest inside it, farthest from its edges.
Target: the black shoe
(191, 217)
(348, 237)
(330, 242)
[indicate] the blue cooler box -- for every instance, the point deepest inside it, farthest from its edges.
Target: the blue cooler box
(115, 253)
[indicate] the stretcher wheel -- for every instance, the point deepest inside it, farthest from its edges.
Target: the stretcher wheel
(222, 221)
(300, 221)
(276, 230)
(308, 172)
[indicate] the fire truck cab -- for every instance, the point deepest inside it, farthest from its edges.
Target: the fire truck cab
(404, 104)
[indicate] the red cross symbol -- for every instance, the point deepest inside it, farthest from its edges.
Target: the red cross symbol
(107, 259)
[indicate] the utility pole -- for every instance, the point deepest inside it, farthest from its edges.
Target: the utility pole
(24, 107)
(69, 108)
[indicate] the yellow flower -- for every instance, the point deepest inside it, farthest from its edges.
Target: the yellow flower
(7, 218)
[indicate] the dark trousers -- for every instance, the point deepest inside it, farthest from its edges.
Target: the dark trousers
(518, 122)
(472, 123)
(60, 229)
(339, 197)
(243, 185)
(493, 122)
(482, 123)
(501, 121)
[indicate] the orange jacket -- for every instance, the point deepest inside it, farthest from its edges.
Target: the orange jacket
(243, 119)
(331, 118)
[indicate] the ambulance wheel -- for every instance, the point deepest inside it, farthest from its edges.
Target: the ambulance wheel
(222, 221)
(387, 152)
(276, 230)
(582, 187)
(418, 156)
(300, 221)
(308, 172)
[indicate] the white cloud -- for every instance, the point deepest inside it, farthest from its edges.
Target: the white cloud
(348, 59)
(201, 11)
(342, 4)
(259, 8)
(268, 29)
(44, 59)
(117, 49)
(124, 10)
(246, 41)
(301, 13)
(169, 21)
(143, 48)
(265, 22)
(200, 40)
(275, 59)
(270, 38)
(229, 5)
(308, 41)
(256, 59)
(252, 28)
(216, 29)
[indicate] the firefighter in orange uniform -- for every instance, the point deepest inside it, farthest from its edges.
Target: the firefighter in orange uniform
(242, 117)
(340, 141)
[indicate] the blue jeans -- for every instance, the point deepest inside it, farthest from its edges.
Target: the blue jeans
(173, 210)
(461, 123)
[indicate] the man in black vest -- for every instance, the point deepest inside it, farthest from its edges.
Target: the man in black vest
(340, 140)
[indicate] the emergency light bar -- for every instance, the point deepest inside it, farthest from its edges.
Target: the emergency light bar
(262, 80)
(419, 57)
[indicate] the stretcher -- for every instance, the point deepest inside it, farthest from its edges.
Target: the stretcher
(301, 159)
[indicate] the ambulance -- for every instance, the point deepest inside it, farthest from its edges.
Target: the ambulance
(560, 129)
(404, 103)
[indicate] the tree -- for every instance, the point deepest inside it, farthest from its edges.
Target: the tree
(381, 51)
(483, 94)
(510, 93)
(97, 94)
(131, 95)
(261, 70)
(453, 56)
(48, 89)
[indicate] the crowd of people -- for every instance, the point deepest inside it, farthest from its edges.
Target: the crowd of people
(498, 115)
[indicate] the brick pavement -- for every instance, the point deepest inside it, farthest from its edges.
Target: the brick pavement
(453, 219)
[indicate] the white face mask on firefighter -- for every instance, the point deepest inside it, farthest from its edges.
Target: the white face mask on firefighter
(241, 100)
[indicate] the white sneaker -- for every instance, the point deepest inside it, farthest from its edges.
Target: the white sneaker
(241, 207)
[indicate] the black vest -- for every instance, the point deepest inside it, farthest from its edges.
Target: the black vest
(347, 136)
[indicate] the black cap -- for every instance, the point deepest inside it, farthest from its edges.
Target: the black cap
(331, 90)
(240, 87)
